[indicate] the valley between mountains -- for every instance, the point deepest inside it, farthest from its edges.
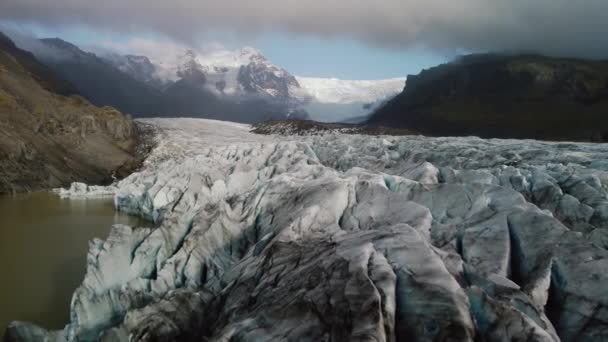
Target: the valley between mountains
(239, 85)
(335, 236)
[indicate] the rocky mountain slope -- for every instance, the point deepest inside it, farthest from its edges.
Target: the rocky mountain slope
(521, 96)
(136, 86)
(337, 237)
(47, 139)
(138, 67)
(245, 72)
(40, 72)
(98, 81)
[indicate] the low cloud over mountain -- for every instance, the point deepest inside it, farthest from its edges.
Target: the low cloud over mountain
(558, 27)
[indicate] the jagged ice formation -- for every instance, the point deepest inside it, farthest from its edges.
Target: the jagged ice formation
(343, 237)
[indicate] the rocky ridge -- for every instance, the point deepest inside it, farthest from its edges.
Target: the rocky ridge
(349, 237)
(138, 67)
(505, 96)
(48, 139)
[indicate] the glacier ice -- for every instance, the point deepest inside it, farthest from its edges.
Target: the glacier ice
(349, 237)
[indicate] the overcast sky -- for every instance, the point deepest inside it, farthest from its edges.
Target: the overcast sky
(395, 36)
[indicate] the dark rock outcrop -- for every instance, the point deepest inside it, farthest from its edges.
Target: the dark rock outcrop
(524, 96)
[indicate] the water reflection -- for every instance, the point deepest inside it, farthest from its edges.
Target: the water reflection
(43, 246)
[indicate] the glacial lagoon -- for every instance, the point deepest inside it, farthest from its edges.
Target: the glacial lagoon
(43, 247)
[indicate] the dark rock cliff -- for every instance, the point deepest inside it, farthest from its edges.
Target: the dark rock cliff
(525, 96)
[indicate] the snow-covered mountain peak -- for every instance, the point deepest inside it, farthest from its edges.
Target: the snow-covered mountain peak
(246, 72)
(220, 59)
(232, 72)
(188, 64)
(251, 54)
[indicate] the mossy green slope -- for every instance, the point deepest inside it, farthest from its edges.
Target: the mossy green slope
(523, 96)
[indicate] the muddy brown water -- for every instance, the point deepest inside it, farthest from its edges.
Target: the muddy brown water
(43, 246)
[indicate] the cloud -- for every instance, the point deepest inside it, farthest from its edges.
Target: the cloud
(159, 50)
(558, 27)
(27, 41)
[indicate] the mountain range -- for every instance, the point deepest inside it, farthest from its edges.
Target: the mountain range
(241, 85)
(486, 95)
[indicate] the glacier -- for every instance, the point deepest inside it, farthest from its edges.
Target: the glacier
(346, 237)
(338, 91)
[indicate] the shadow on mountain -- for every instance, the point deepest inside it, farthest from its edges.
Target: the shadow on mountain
(102, 83)
(505, 96)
